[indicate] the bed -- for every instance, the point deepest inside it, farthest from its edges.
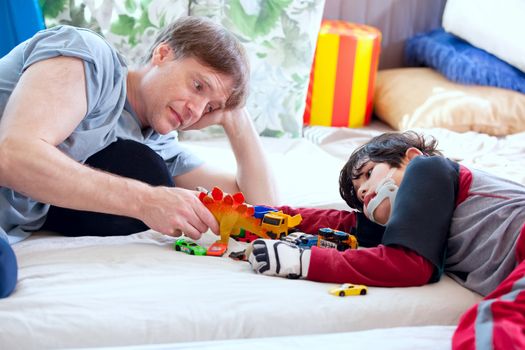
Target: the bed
(399, 338)
(136, 290)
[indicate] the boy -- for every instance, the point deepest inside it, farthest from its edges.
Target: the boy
(437, 216)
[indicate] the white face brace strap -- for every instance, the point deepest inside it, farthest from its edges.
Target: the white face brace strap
(386, 189)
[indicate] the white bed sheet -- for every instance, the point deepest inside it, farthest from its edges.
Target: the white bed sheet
(117, 291)
(400, 338)
(120, 291)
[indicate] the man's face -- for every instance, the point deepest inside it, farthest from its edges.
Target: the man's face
(370, 178)
(177, 93)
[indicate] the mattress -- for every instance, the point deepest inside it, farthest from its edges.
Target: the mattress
(399, 338)
(116, 291)
(135, 290)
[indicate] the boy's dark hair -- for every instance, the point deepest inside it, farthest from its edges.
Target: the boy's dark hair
(387, 148)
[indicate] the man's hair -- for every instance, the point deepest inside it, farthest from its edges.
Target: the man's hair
(213, 46)
(387, 148)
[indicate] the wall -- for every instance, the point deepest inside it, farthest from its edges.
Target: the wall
(397, 20)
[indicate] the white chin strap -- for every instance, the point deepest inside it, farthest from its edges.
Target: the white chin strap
(386, 189)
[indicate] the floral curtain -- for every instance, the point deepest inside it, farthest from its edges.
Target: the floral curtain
(279, 36)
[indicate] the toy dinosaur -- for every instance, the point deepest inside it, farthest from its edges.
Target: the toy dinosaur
(231, 212)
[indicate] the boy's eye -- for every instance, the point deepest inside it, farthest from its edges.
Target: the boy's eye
(368, 173)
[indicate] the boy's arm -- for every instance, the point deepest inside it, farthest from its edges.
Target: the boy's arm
(415, 237)
(423, 209)
(368, 234)
(314, 219)
(380, 266)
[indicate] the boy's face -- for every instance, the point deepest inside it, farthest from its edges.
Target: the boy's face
(373, 175)
(370, 178)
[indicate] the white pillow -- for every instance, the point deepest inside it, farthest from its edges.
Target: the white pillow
(494, 26)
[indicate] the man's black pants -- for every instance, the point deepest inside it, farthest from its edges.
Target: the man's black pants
(125, 158)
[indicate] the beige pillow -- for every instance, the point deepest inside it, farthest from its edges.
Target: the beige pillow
(408, 98)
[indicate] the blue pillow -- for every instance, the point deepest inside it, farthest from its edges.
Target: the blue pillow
(461, 62)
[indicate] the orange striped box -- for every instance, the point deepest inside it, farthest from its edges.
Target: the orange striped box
(343, 75)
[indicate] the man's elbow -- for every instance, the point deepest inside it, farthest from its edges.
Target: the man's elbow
(274, 198)
(9, 148)
(269, 196)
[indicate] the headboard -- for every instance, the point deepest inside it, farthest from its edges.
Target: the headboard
(396, 19)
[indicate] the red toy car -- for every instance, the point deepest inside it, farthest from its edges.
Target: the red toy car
(217, 249)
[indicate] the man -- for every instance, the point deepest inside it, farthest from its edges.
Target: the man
(67, 97)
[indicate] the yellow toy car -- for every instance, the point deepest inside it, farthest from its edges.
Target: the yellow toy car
(349, 289)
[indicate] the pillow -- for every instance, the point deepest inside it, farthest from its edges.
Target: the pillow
(461, 62)
(495, 26)
(409, 98)
(280, 38)
(130, 26)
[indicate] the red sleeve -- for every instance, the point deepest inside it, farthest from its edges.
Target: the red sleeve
(379, 266)
(314, 219)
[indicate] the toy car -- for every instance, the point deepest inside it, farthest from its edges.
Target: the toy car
(217, 249)
(301, 239)
(240, 255)
(330, 238)
(292, 237)
(188, 247)
(349, 289)
(307, 240)
(261, 210)
(278, 224)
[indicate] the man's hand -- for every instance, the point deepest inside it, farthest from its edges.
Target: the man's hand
(218, 117)
(254, 177)
(173, 211)
(279, 258)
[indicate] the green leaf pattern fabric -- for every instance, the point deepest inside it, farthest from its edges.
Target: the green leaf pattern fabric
(279, 36)
(130, 25)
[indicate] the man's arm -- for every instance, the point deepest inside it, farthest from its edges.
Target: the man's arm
(47, 104)
(254, 177)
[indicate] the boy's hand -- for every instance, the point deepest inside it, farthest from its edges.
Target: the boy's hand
(279, 258)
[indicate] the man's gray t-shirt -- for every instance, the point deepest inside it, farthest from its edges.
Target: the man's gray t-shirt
(109, 115)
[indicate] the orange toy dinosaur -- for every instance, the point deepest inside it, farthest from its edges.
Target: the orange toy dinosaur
(232, 213)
